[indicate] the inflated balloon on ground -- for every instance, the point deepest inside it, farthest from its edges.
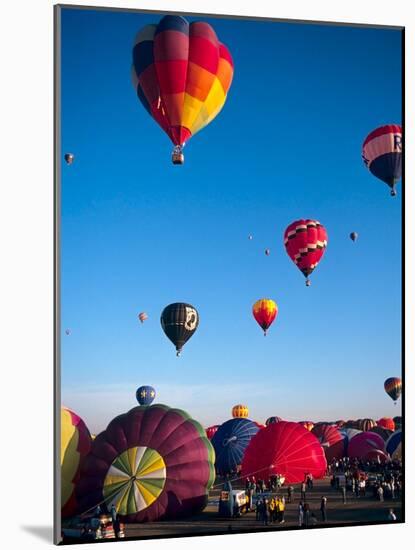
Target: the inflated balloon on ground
(152, 463)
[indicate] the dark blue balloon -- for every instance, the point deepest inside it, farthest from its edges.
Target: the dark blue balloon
(230, 442)
(145, 395)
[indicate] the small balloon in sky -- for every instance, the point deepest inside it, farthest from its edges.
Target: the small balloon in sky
(69, 158)
(353, 236)
(267, 252)
(67, 332)
(250, 237)
(143, 316)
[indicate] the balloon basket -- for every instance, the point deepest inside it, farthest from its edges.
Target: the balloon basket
(177, 158)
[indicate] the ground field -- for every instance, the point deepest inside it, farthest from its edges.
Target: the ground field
(356, 510)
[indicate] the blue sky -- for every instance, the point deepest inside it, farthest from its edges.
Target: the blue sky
(139, 233)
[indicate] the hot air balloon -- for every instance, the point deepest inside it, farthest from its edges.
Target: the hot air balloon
(393, 387)
(382, 154)
(331, 440)
(152, 463)
(366, 424)
(259, 424)
(394, 440)
(250, 237)
(364, 442)
(182, 74)
(145, 395)
(240, 411)
(384, 433)
(287, 449)
(265, 312)
(69, 158)
(179, 322)
(272, 420)
(305, 242)
(143, 316)
(307, 424)
(230, 442)
(398, 422)
(211, 430)
(75, 445)
(353, 236)
(267, 252)
(67, 332)
(387, 423)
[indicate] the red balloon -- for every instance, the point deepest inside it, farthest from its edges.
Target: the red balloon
(210, 432)
(260, 426)
(284, 448)
(387, 423)
(364, 442)
(331, 440)
(380, 456)
(305, 242)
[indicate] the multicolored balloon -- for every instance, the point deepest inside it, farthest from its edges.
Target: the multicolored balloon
(240, 411)
(143, 316)
(393, 387)
(75, 446)
(139, 464)
(179, 322)
(366, 424)
(145, 395)
(284, 448)
(382, 154)
(307, 424)
(182, 74)
(265, 312)
(230, 442)
(305, 242)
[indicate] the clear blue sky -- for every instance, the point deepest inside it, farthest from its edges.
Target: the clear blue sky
(139, 233)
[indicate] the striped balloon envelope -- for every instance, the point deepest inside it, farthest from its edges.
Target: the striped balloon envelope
(305, 242)
(240, 411)
(382, 154)
(182, 74)
(393, 387)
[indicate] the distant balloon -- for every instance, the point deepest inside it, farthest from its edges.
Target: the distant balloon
(273, 420)
(305, 242)
(354, 236)
(145, 395)
(181, 74)
(179, 322)
(265, 312)
(382, 154)
(143, 316)
(308, 425)
(387, 423)
(331, 440)
(240, 411)
(211, 430)
(393, 387)
(284, 448)
(250, 237)
(365, 424)
(67, 332)
(267, 252)
(69, 158)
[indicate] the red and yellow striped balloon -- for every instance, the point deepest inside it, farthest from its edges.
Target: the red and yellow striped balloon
(265, 311)
(182, 74)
